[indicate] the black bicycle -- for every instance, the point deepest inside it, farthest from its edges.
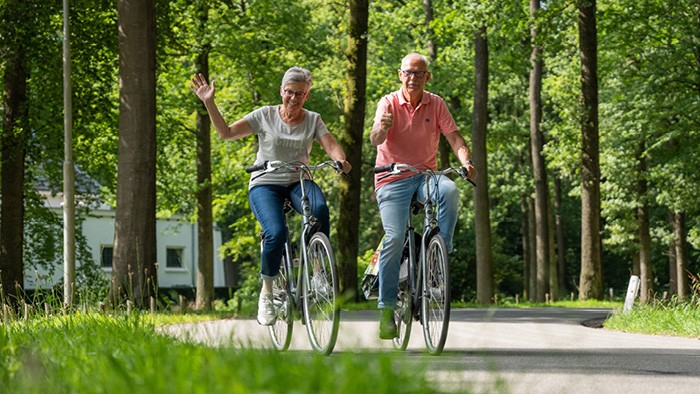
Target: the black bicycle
(308, 284)
(425, 293)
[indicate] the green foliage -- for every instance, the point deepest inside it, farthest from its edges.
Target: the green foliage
(649, 82)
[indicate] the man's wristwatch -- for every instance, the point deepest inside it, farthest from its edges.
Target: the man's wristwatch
(470, 162)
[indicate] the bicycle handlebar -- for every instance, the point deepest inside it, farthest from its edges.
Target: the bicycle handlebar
(293, 166)
(397, 168)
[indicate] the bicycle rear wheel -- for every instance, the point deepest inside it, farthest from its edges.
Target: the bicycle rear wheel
(435, 297)
(320, 289)
(403, 316)
(281, 331)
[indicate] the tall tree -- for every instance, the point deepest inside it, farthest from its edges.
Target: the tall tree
(591, 281)
(444, 149)
(482, 221)
(643, 236)
(134, 263)
(538, 165)
(351, 141)
(15, 133)
(205, 222)
(679, 239)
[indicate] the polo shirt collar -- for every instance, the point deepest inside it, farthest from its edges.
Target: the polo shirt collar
(423, 100)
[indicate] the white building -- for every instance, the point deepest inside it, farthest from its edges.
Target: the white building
(177, 250)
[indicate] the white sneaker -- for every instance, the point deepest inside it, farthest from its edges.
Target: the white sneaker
(266, 310)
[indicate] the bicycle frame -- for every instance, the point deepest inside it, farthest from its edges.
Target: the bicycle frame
(428, 286)
(316, 301)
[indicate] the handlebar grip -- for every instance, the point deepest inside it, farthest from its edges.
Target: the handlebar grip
(256, 167)
(464, 173)
(386, 168)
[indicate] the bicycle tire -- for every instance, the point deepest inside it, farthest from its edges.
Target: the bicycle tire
(281, 331)
(403, 315)
(435, 296)
(319, 292)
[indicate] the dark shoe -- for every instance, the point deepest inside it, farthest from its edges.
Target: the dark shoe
(387, 325)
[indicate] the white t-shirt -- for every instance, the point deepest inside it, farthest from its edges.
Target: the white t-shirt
(280, 141)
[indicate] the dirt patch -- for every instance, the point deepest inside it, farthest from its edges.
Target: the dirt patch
(594, 323)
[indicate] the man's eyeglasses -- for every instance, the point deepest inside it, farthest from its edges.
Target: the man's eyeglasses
(417, 74)
(290, 93)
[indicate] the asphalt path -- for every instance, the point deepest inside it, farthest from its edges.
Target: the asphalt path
(537, 350)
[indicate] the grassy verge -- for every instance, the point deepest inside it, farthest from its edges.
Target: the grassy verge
(675, 319)
(93, 353)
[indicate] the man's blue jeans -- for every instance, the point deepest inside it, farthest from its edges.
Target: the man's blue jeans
(394, 201)
(267, 203)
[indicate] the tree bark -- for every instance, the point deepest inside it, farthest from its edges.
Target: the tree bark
(538, 165)
(14, 135)
(444, 149)
(643, 236)
(482, 221)
(532, 254)
(591, 281)
(134, 271)
(354, 115)
(679, 240)
(205, 221)
(672, 274)
(559, 231)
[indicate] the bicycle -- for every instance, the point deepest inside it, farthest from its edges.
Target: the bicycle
(308, 285)
(427, 279)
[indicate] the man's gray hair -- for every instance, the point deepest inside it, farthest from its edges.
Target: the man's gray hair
(418, 55)
(297, 74)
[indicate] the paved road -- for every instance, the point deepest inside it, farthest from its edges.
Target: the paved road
(545, 350)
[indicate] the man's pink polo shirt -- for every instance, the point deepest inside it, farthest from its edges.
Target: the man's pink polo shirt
(414, 137)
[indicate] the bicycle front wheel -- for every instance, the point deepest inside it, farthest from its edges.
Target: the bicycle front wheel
(281, 331)
(320, 289)
(435, 296)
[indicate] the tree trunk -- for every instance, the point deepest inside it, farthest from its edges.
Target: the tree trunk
(354, 115)
(14, 134)
(532, 254)
(444, 149)
(482, 222)
(679, 239)
(134, 271)
(205, 221)
(525, 235)
(672, 274)
(591, 281)
(644, 238)
(559, 231)
(538, 164)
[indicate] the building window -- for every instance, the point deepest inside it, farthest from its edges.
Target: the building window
(106, 258)
(174, 258)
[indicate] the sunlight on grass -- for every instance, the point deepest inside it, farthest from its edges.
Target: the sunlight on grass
(658, 319)
(93, 353)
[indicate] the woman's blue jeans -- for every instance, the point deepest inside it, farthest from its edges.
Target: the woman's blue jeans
(267, 203)
(394, 201)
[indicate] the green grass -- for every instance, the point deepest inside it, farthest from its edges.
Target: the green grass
(658, 318)
(94, 353)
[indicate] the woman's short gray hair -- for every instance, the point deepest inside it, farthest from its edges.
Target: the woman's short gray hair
(297, 74)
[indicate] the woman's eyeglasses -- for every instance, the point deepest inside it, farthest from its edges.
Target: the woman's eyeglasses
(290, 93)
